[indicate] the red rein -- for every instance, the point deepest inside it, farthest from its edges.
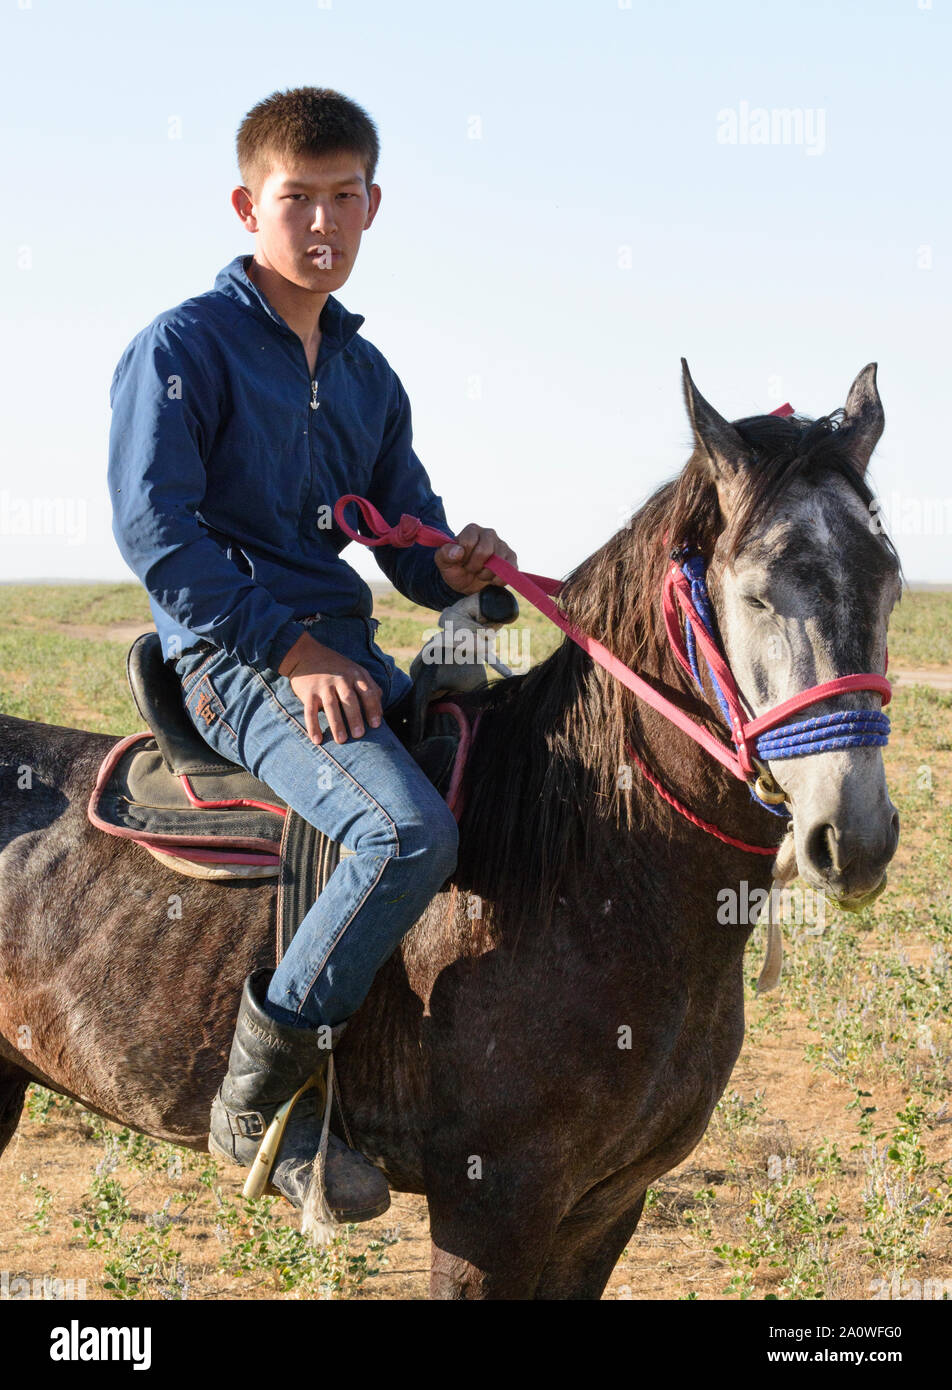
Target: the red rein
(538, 588)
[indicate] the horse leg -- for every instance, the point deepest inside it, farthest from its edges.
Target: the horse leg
(13, 1083)
(491, 1242)
(590, 1239)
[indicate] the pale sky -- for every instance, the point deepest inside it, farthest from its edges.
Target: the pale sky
(574, 195)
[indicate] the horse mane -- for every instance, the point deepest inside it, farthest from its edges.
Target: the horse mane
(551, 742)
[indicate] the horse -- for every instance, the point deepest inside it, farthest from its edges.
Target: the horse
(555, 1031)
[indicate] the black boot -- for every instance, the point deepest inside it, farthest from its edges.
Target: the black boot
(269, 1061)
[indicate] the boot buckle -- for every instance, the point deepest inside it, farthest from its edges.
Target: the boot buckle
(247, 1123)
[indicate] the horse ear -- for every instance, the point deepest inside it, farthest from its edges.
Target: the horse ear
(864, 418)
(716, 437)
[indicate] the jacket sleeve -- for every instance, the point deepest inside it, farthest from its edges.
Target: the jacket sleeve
(399, 485)
(166, 405)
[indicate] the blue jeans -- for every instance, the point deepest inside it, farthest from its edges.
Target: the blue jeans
(367, 793)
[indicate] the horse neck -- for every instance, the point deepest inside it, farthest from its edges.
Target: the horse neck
(551, 750)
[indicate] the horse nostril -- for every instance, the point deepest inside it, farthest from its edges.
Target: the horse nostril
(820, 847)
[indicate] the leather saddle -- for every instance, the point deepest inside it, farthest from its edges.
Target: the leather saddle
(207, 817)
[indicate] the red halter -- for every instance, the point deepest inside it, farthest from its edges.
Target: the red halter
(744, 731)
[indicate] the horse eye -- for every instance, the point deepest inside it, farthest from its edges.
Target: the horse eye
(753, 602)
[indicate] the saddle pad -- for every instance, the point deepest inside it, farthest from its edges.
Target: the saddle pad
(137, 796)
(198, 864)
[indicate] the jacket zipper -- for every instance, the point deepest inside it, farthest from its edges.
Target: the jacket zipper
(313, 403)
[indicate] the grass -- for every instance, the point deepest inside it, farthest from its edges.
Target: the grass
(826, 1172)
(919, 630)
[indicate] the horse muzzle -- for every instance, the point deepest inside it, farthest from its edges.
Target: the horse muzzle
(847, 860)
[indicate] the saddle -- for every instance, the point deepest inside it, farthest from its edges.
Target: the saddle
(167, 790)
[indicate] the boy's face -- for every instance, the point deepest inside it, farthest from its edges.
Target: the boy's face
(309, 217)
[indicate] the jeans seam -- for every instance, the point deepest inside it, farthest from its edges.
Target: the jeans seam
(340, 932)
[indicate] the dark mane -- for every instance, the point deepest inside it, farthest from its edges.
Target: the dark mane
(552, 741)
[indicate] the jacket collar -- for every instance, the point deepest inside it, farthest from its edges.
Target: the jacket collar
(338, 325)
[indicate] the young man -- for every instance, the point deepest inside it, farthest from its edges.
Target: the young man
(239, 418)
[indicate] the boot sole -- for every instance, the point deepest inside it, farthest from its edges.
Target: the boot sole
(343, 1218)
(339, 1215)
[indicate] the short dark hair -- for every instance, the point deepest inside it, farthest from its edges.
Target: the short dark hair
(304, 121)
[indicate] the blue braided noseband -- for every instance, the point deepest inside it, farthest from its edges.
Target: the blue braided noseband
(822, 733)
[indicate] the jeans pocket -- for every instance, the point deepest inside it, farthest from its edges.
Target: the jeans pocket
(207, 713)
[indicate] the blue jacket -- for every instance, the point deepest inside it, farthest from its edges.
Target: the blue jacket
(225, 461)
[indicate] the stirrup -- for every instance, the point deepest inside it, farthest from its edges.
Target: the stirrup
(259, 1173)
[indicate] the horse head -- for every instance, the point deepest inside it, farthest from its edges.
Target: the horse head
(802, 583)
